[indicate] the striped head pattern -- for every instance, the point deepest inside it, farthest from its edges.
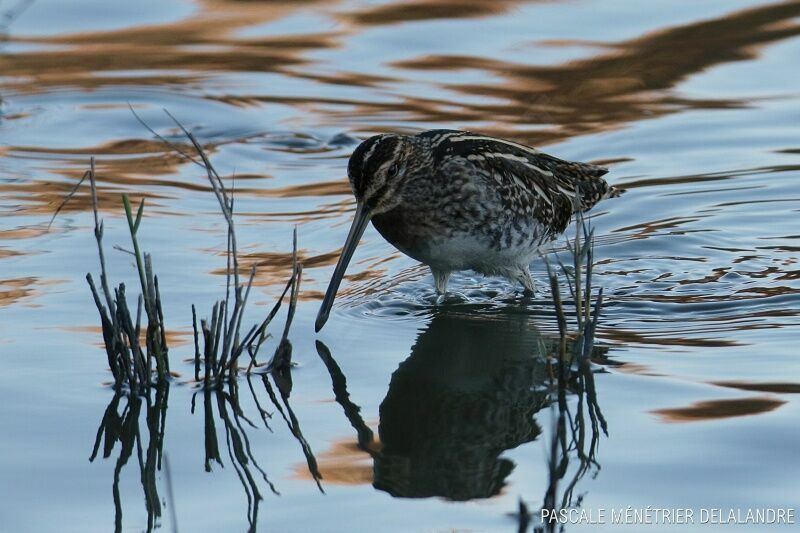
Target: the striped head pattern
(376, 169)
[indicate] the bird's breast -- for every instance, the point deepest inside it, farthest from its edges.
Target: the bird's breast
(487, 245)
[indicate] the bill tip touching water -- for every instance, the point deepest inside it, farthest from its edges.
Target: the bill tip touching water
(457, 200)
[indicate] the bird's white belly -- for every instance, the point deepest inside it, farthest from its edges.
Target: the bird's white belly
(467, 253)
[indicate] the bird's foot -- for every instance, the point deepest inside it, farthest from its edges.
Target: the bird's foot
(528, 293)
(440, 279)
(528, 287)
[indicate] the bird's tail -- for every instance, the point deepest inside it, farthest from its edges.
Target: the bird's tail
(591, 186)
(613, 192)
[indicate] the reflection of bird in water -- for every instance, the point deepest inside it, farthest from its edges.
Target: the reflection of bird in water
(456, 200)
(466, 394)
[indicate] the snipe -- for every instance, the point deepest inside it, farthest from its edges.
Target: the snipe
(456, 200)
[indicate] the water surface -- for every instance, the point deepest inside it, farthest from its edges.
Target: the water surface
(409, 417)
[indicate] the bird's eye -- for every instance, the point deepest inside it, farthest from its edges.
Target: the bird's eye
(393, 170)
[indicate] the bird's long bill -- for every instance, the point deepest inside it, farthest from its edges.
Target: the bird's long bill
(360, 222)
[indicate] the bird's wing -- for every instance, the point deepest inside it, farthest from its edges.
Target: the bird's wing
(546, 178)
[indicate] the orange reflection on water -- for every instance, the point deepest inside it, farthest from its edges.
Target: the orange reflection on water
(420, 10)
(204, 43)
(343, 463)
(16, 290)
(718, 409)
(174, 337)
(631, 82)
(773, 387)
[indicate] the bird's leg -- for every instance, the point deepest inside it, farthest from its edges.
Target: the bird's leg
(440, 279)
(524, 277)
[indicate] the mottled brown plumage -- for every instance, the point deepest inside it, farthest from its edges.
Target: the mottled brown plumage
(456, 200)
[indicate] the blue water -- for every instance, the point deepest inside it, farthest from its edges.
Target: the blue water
(693, 106)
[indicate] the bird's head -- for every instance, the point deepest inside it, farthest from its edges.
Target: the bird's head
(376, 171)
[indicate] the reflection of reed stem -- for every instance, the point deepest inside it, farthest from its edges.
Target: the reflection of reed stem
(170, 495)
(237, 442)
(123, 428)
(294, 427)
(210, 432)
(570, 432)
(239, 459)
(261, 411)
